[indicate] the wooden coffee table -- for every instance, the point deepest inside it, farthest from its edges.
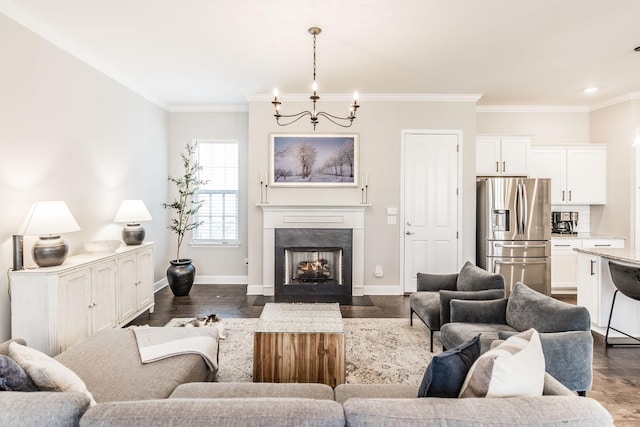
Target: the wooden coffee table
(300, 343)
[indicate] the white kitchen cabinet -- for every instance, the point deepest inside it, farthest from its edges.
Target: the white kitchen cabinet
(596, 290)
(53, 308)
(564, 268)
(502, 156)
(578, 174)
(589, 285)
(564, 273)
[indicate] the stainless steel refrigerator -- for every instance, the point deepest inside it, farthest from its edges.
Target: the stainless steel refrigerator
(514, 230)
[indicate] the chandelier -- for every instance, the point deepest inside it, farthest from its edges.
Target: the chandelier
(314, 114)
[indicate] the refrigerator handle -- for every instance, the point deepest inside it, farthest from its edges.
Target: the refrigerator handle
(519, 208)
(525, 210)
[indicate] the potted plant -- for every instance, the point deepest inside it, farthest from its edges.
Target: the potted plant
(181, 273)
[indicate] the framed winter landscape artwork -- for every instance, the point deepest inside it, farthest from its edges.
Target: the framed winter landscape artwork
(313, 160)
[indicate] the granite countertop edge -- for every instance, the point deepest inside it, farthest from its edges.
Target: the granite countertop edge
(584, 236)
(616, 254)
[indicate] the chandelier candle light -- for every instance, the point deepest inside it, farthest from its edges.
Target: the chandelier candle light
(314, 115)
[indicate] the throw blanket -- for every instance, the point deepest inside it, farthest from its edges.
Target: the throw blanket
(159, 343)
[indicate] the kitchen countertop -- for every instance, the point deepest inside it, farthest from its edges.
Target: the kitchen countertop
(583, 236)
(624, 255)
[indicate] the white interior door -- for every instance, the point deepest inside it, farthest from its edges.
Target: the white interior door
(430, 199)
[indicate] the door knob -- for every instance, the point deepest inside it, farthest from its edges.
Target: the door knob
(408, 233)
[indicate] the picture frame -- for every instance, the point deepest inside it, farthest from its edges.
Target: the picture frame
(313, 160)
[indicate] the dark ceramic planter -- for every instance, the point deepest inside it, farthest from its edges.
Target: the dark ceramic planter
(180, 275)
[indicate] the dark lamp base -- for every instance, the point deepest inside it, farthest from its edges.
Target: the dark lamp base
(133, 234)
(50, 251)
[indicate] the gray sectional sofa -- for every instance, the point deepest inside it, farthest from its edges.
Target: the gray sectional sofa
(176, 392)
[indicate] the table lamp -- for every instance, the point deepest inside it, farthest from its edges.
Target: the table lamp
(48, 220)
(132, 212)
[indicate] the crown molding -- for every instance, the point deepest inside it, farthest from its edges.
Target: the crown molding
(617, 100)
(373, 97)
(532, 109)
(47, 33)
(210, 108)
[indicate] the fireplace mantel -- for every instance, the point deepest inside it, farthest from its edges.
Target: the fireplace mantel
(349, 216)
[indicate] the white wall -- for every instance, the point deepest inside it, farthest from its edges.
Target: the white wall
(379, 125)
(615, 125)
(214, 264)
(70, 133)
(544, 127)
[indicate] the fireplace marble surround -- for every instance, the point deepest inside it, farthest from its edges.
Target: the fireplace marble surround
(312, 216)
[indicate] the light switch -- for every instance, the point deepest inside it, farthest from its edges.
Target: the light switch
(392, 211)
(391, 219)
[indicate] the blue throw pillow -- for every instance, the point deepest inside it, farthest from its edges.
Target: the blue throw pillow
(13, 377)
(447, 371)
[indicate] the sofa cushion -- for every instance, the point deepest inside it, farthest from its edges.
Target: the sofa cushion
(212, 390)
(435, 282)
(13, 377)
(109, 363)
(447, 371)
(42, 408)
(527, 309)
(565, 411)
(344, 392)
(47, 373)
(474, 278)
(447, 296)
(515, 368)
(453, 334)
(265, 412)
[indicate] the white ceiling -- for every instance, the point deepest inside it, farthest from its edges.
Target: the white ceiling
(208, 52)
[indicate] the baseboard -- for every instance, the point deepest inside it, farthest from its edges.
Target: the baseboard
(221, 280)
(383, 290)
(207, 280)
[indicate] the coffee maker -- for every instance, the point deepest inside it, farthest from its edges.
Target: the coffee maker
(564, 222)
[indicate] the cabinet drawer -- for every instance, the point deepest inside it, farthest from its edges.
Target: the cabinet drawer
(559, 246)
(603, 243)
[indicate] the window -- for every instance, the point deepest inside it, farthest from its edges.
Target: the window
(219, 196)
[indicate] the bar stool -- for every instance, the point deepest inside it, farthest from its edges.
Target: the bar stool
(626, 279)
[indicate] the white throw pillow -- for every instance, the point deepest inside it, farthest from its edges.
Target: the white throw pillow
(47, 373)
(515, 368)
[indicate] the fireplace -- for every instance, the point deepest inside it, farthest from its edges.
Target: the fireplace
(325, 221)
(313, 261)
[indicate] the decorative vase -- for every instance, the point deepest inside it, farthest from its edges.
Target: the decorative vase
(180, 275)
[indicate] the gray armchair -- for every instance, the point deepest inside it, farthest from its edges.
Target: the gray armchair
(435, 291)
(565, 330)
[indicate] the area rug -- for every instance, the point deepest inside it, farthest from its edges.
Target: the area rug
(379, 351)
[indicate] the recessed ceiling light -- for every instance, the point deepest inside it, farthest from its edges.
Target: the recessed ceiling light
(591, 89)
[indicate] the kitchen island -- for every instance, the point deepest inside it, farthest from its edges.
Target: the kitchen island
(595, 290)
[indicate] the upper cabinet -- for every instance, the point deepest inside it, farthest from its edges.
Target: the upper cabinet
(502, 156)
(578, 174)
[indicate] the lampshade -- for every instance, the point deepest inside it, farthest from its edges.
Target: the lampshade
(48, 220)
(132, 211)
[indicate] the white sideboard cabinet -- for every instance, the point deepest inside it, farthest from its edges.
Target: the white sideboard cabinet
(53, 308)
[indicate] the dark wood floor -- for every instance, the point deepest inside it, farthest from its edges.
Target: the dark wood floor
(616, 371)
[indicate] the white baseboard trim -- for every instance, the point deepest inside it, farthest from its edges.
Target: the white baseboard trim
(207, 280)
(221, 280)
(383, 290)
(160, 284)
(255, 290)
